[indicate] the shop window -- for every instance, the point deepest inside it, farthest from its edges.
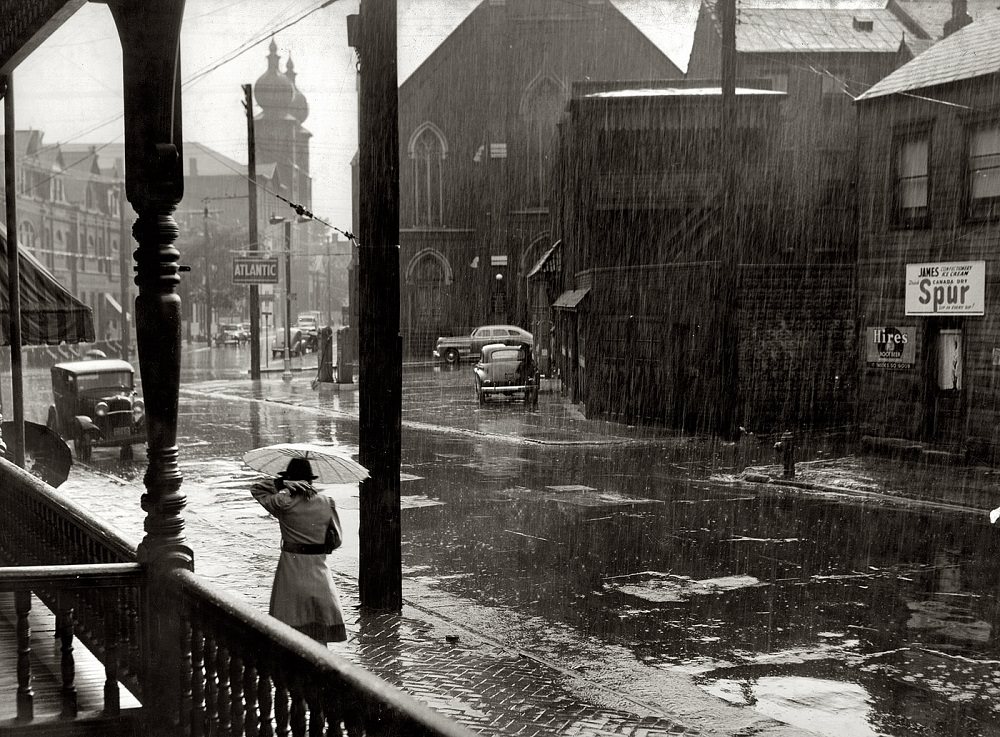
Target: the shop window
(912, 181)
(949, 359)
(984, 171)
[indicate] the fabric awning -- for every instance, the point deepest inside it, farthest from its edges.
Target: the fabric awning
(50, 314)
(113, 303)
(570, 299)
(547, 263)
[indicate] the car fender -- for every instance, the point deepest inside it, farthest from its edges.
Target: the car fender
(84, 424)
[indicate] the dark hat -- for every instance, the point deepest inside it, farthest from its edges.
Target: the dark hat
(299, 469)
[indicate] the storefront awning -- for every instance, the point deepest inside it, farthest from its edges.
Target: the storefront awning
(549, 261)
(569, 300)
(113, 303)
(49, 313)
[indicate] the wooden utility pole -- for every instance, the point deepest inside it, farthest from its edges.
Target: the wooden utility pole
(208, 276)
(252, 215)
(727, 420)
(13, 270)
(373, 34)
(123, 273)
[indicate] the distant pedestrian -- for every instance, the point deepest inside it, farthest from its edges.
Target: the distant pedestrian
(303, 594)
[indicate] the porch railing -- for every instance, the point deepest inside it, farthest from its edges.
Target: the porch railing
(241, 672)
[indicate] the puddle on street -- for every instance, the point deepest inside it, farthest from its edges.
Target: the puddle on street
(845, 619)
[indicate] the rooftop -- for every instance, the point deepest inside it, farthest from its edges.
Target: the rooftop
(971, 52)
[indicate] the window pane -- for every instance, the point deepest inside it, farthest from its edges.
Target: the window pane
(984, 165)
(913, 158)
(913, 193)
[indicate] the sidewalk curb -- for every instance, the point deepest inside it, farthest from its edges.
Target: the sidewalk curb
(760, 479)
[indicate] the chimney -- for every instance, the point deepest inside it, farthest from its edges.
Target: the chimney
(959, 17)
(192, 166)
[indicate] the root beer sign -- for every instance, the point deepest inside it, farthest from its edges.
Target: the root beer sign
(952, 288)
(891, 347)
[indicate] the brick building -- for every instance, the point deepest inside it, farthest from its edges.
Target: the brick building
(927, 266)
(69, 219)
(477, 121)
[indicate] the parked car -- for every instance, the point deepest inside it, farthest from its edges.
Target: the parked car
(468, 347)
(96, 406)
(296, 346)
(508, 370)
(231, 334)
(308, 323)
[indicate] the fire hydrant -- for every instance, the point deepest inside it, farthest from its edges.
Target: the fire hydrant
(786, 446)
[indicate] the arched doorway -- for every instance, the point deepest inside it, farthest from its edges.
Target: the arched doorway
(428, 283)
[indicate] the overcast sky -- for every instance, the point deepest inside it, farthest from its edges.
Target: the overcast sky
(71, 87)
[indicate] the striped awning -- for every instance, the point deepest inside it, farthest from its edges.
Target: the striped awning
(49, 313)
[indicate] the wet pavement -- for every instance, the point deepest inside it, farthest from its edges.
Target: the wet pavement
(564, 576)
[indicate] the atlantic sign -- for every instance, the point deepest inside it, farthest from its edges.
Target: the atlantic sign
(255, 270)
(950, 288)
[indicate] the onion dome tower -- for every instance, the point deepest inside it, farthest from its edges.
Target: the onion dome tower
(273, 90)
(298, 107)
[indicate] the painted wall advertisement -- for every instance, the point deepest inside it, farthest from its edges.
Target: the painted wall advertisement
(891, 347)
(951, 288)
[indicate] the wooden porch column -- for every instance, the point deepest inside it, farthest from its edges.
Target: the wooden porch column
(154, 184)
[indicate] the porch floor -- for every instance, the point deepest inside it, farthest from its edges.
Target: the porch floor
(46, 680)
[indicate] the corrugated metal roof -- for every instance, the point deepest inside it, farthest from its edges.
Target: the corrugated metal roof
(830, 30)
(970, 52)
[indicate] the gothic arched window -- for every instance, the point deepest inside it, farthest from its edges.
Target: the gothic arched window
(428, 150)
(541, 105)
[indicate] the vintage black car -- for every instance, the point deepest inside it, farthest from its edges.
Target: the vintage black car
(96, 406)
(507, 370)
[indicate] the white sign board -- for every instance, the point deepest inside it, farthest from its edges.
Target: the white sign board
(949, 288)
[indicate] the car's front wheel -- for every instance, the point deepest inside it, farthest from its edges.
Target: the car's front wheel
(451, 356)
(126, 453)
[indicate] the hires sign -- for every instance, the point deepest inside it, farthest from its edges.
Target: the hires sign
(255, 270)
(952, 288)
(891, 347)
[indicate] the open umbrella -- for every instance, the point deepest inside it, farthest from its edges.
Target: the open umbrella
(329, 465)
(46, 455)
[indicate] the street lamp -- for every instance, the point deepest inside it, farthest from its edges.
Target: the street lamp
(275, 219)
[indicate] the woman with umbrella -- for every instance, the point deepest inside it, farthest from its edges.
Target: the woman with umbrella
(303, 594)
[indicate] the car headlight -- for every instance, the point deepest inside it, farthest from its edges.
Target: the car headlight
(138, 410)
(101, 409)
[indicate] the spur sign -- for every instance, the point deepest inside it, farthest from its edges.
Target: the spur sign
(950, 288)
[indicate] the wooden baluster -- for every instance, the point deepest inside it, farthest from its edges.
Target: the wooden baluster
(211, 684)
(265, 700)
(113, 632)
(334, 723)
(25, 696)
(197, 681)
(250, 696)
(280, 707)
(297, 722)
(67, 663)
(317, 720)
(187, 676)
(222, 668)
(236, 694)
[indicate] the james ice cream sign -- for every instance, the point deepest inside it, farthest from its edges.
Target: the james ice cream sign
(952, 288)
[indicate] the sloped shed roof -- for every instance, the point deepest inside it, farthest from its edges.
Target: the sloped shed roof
(830, 30)
(970, 52)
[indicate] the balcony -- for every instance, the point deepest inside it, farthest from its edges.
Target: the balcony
(120, 648)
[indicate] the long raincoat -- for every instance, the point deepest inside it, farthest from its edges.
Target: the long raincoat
(303, 594)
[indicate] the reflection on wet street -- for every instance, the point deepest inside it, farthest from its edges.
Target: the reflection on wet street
(842, 617)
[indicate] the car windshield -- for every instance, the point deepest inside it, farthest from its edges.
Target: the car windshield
(226, 328)
(109, 380)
